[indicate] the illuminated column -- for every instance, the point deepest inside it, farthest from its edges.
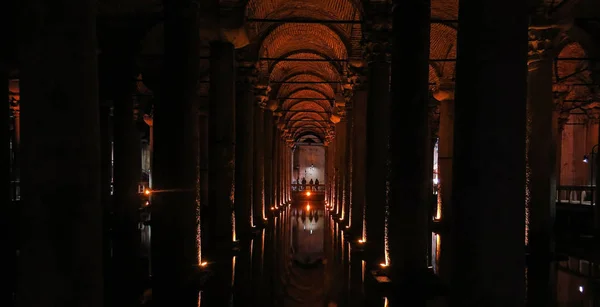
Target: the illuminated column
(203, 148)
(126, 177)
(489, 161)
(443, 210)
(60, 259)
(244, 150)
(542, 135)
(262, 95)
(378, 113)
(359, 151)
(269, 149)
(348, 161)
(174, 203)
(340, 141)
(276, 165)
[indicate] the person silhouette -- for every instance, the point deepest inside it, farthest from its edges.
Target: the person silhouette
(311, 183)
(303, 183)
(317, 184)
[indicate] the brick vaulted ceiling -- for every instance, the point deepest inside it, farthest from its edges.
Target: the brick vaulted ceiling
(321, 42)
(285, 40)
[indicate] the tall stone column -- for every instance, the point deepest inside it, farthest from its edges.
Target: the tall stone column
(489, 155)
(262, 94)
(276, 166)
(541, 158)
(60, 260)
(203, 149)
(269, 149)
(378, 111)
(127, 169)
(244, 151)
(341, 133)
(174, 203)
(443, 210)
(6, 222)
(562, 120)
(359, 152)
(221, 168)
(410, 149)
(348, 161)
(221, 155)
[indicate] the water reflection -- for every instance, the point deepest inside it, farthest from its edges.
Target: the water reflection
(575, 280)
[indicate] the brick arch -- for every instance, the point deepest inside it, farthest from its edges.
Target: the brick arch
(302, 136)
(287, 38)
(309, 54)
(444, 9)
(309, 115)
(310, 128)
(317, 121)
(282, 90)
(288, 89)
(306, 92)
(443, 46)
(305, 105)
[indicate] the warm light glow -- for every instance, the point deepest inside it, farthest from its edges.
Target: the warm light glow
(147, 192)
(204, 264)
(436, 181)
(383, 265)
(147, 203)
(361, 241)
(386, 302)
(308, 193)
(581, 289)
(307, 207)
(272, 208)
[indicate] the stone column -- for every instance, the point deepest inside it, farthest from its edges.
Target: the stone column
(221, 168)
(7, 224)
(60, 260)
(562, 120)
(127, 170)
(276, 166)
(359, 151)
(541, 158)
(244, 151)
(489, 155)
(174, 203)
(341, 133)
(203, 148)
(221, 155)
(262, 94)
(445, 95)
(410, 146)
(378, 111)
(269, 149)
(348, 162)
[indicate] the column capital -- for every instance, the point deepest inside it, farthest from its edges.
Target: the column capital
(541, 44)
(356, 77)
(377, 33)
(261, 91)
(14, 106)
(149, 120)
(444, 91)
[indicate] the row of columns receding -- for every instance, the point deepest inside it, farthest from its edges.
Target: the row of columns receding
(378, 167)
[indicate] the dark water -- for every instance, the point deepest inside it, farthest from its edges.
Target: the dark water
(302, 259)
